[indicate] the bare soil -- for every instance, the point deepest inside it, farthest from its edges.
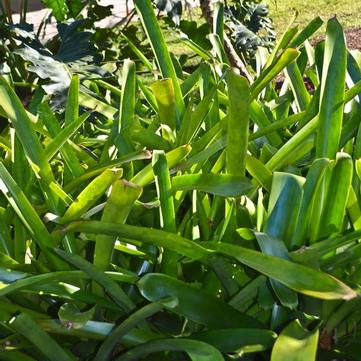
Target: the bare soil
(353, 37)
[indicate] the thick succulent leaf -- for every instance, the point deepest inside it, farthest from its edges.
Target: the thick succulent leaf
(152, 28)
(218, 184)
(90, 195)
(283, 207)
(295, 276)
(163, 91)
(71, 316)
(238, 340)
(337, 195)
(275, 247)
(112, 288)
(332, 91)
(193, 302)
(196, 350)
(25, 326)
(313, 179)
(238, 123)
(295, 344)
(13, 281)
(146, 175)
(117, 208)
(145, 235)
(106, 349)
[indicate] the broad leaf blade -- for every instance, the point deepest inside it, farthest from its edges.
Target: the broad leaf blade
(25, 326)
(193, 302)
(295, 344)
(219, 184)
(238, 123)
(332, 91)
(295, 276)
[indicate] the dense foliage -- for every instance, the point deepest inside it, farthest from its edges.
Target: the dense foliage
(246, 23)
(175, 215)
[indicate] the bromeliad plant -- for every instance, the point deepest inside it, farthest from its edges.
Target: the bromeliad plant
(199, 216)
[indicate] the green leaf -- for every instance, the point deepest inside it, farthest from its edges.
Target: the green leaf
(298, 87)
(260, 173)
(313, 180)
(92, 103)
(61, 138)
(295, 276)
(147, 138)
(90, 195)
(26, 213)
(193, 118)
(101, 167)
(125, 119)
(163, 91)
(238, 123)
(146, 175)
(306, 32)
(169, 263)
(283, 207)
(152, 28)
(5, 237)
(96, 330)
(340, 314)
(12, 281)
(332, 91)
(196, 350)
(46, 66)
(337, 196)
(192, 302)
(23, 127)
(271, 72)
(316, 251)
(138, 53)
(25, 326)
(110, 286)
(295, 344)
(145, 235)
(13, 355)
(116, 210)
(72, 104)
(218, 20)
(258, 116)
(71, 317)
(58, 8)
(128, 97)
(298, 140)
(277, 248)
(218, 48)
(162, 179)
(106, 349)
(67, 152)
(238, 339)
(219, 184)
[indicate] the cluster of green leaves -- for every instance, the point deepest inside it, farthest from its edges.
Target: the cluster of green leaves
(73, 50)
(247, 23)
(250, 27)
(198, 216)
